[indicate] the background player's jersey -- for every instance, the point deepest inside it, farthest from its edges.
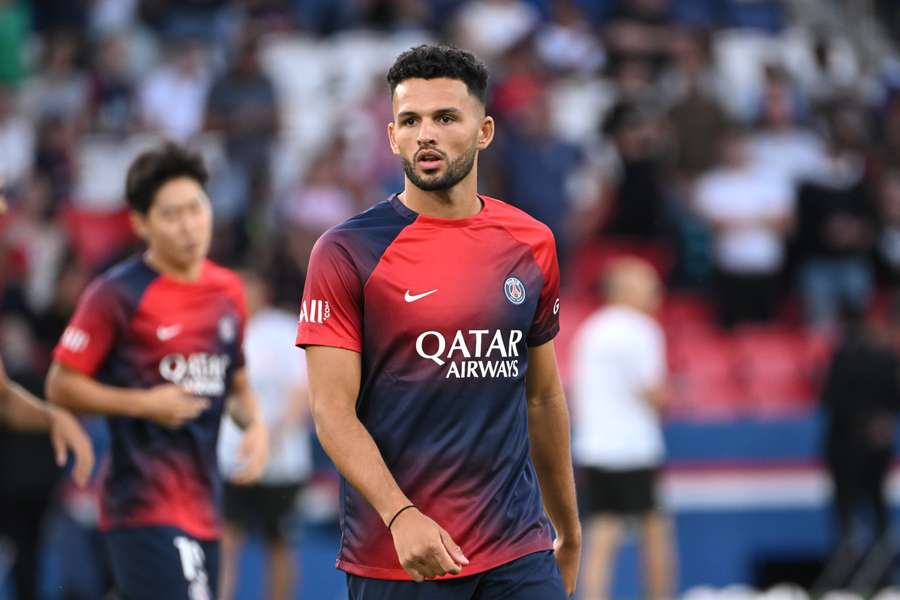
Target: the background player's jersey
(137, 328)
(442, 312)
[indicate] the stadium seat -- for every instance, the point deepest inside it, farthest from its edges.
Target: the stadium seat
(776, 364)
(704, 381)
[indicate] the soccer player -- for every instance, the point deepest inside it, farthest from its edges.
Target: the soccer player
(428, 323)
(155, 344)
(21, 411)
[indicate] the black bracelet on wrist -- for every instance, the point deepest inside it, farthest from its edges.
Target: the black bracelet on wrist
(397, 514)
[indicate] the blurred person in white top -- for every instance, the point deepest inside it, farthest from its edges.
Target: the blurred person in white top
(277, 374)
(619, 389)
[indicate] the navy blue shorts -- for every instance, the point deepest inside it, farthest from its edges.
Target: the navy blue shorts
(532, 577)
(152, 563)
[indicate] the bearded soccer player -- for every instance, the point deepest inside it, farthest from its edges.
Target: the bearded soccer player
(155, 345)
(428, 323)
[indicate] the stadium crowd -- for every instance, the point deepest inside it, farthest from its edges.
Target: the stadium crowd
(750, 150)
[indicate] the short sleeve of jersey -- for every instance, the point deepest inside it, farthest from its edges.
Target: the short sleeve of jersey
(331, 307)
(546, 318)
(99, 318)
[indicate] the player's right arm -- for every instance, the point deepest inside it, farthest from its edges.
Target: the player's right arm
(167, 404)
(425, 549)
(97, 323)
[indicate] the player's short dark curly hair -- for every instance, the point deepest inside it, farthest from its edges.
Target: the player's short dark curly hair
(430, 61)
(155, 167)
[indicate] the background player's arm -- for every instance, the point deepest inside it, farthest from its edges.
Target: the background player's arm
(21, 411)
(548, 430)
(167, 404)
(424, 549)
(243, 408)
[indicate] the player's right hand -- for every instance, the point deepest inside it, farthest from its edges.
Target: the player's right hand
(171, 407)
(424, 548)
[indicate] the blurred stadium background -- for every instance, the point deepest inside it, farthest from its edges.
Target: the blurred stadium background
(630, 127)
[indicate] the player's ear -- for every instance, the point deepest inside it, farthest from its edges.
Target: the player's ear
(390, 131)
(486, 132)
(138, 223)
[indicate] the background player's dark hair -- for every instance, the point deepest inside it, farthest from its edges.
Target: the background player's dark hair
(153, 168)
(432, 62)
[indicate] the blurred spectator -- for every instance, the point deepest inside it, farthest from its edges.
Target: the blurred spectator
(243, 105)
(323, 199)
(204, 21)
(697, 117)
(55, 156)
(861, 400)
(889, 219)
(637, 202)
(567, 42)
(398, 15)
(16, 141)
(781, 144)
(836, 225)
(750, 212)
(619, 389)
(639, 30)
(14, 30)
(534, 167)
(37, 236)
(173, 97)
(60, 88)
(112, 107)
(491, 27)
(323, 17)
(278, 378)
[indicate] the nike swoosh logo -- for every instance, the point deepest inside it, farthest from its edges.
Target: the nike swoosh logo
(411, 298)
(167, 333)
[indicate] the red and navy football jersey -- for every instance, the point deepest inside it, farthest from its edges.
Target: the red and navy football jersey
(442, 312)
(137, 328)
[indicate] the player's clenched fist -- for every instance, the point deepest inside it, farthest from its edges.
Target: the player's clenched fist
(170, 406)
(424, 548)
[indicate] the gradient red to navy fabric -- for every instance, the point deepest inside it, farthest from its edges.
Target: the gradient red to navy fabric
(443, 313)
(136, 328)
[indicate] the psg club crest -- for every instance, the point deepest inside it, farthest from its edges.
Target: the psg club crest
(227, 329)
(515, 290)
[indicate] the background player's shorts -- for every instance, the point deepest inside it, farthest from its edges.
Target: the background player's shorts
(630, 492)
(156, 563)
(532, 577)
(265, 509)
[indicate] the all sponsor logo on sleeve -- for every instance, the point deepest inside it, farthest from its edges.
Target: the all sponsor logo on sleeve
(314, 311)
(74, 339)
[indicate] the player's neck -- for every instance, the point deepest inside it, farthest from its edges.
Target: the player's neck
(188, 273)
(459, 202)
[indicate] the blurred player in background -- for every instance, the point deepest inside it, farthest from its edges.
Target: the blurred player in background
(21, 411)
(619, 390)
(278, 377)
(155, 345)
(428, 322)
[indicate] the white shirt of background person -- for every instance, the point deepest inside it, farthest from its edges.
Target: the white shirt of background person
(619, 373)
(277, 373)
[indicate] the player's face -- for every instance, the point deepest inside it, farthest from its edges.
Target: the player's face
(178, 226)
(437, 131)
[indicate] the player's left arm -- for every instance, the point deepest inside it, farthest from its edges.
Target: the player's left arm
(243, 408)
(548, 431)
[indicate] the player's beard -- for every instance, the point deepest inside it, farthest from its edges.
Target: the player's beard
(457, 170)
